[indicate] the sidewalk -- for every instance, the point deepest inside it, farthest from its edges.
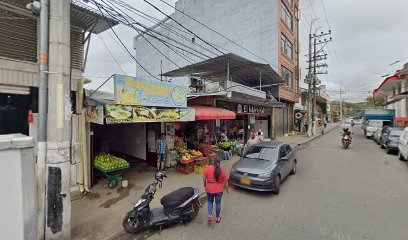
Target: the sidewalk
(99, 214)
(298, 140)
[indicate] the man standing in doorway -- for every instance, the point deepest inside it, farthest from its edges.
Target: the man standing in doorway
(161, 150)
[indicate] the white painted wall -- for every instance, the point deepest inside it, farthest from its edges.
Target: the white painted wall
(263, 125)
(253, 24)
(18, 204)
(399, 106)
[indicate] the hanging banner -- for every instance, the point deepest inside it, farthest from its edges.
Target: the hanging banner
(136, 91)
(135, 114)
(94, 114)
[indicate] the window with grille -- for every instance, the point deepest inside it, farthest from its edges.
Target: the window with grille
(286, 16)
(288, 76)
(287, 47)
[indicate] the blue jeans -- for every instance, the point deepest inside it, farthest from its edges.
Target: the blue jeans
(218, 197)
(161, 157)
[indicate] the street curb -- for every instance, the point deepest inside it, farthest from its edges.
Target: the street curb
(313, 138)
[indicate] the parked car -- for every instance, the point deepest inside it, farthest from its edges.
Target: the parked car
(391, 138)
(358, 121)
(377, 136)
(403, 145)
(383, 133)
(264, 166)
(372, 125)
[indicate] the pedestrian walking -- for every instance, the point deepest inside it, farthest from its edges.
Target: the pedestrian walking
(215, 181)
(161, 150)
(252, 140)
(224, 137)
(259, 136)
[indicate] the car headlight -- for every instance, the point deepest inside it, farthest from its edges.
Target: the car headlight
(265, 175)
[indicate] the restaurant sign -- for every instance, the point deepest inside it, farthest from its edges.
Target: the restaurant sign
(250, 109)
(136, 91)
(135, 114)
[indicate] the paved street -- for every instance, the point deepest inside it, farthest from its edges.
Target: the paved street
(338, 194)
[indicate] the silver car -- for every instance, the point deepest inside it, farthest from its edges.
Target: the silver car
(264, 166)
(377, 136)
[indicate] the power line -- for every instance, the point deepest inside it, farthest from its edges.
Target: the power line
(114, 32)
(222, 35)
(113, 57)
(183, 26)
(142, 36)
(160, 23)
(325, 14)
(126, 22)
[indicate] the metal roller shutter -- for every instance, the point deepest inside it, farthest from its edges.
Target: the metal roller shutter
(18, 36)
(77, 37)
(278, 121)
(285, 121)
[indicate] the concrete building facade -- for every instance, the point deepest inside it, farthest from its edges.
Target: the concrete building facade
(394, 90)
(264, 31)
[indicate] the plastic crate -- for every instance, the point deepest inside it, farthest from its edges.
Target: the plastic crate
(185, 168)
(201, 161)
(200, 169)
(212, 156)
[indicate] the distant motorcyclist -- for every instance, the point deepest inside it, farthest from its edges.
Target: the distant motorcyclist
(346, 138)
(346, 131)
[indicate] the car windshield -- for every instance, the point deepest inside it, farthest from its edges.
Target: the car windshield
(395, 133)
(262, 153)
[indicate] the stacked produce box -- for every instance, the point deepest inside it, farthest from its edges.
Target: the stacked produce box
(108, 162)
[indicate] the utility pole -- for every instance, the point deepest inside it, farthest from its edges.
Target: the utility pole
(314, 88)
(341, 107)
(313, 79)
(58, 161)
(309, 82)
(42, 116)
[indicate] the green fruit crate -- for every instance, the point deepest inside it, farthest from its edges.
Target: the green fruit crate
(114, 176)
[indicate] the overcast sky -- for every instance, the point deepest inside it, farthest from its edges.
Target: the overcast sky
(368, 35)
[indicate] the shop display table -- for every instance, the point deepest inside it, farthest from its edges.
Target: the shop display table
(114, 176)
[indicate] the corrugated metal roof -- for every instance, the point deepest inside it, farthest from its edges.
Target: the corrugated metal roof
(241, 70)
(81, 16)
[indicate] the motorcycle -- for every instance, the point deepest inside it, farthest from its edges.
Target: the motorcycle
(352, 124)
(179, 206)
(346, 140)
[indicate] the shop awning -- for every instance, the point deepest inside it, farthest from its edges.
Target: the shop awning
(401, 119)
(213, 113)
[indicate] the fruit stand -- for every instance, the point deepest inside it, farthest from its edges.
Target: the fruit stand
(111, 168)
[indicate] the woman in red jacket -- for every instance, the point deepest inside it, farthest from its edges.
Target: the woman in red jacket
(215, 180)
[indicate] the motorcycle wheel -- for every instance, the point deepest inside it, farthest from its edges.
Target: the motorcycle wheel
(128, 226)
(195, 213)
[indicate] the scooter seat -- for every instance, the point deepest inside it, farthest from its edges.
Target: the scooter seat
(176, 198)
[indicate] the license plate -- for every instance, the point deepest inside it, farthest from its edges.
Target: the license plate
(245, 181)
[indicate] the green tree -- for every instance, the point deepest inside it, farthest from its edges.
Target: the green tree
(375, 102)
